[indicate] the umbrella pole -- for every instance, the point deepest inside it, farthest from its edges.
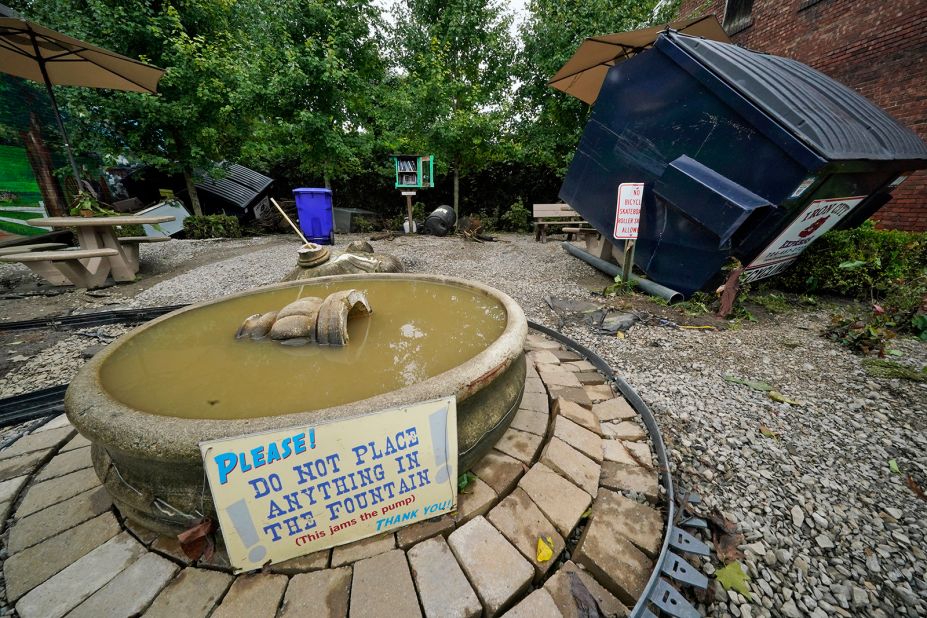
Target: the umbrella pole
(54, 103)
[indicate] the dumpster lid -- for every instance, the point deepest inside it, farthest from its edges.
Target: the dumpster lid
(829, 117)
(312, 190)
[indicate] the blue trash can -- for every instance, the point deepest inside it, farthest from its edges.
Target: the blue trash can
(742, 154)
(314, 209)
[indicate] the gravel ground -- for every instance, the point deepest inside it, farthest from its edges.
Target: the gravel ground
(156, 258)
(829, 528)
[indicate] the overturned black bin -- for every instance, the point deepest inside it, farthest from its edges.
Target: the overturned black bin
(742, 154)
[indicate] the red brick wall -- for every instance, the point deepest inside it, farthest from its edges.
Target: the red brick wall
(877, 48)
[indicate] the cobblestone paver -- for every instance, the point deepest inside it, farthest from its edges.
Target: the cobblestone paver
(194, 593)
(46, 523)
(442, 586)
(255, 596)
(498, 572)
(68, 588)
(382, 586)
(30, 567)
(321, 594)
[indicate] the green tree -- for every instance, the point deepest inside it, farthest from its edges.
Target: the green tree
(453, 60)
(550, 122)
(198, 116)
(317, 69)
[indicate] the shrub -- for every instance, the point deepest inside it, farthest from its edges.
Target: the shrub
(517, 218)
(488, 222)
(864, 334)
(211, 226)
(363, 225)
(886, 267)
(123, 231)
(863, 263)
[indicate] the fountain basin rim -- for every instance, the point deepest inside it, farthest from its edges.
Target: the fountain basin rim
(101, 418)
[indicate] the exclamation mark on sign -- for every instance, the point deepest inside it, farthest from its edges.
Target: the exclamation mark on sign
(241, 519)
(438, 422)
(312, 438)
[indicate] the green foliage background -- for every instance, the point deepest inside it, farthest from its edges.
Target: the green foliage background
(211, 226)
(320, 92)
(864, 263)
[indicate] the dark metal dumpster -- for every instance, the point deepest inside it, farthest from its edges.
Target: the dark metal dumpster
(742, 154)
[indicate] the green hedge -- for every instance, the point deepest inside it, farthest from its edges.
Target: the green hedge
(211, 226)
(860, 263)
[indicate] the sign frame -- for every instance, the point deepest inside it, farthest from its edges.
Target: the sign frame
(332, 483)
(629, 192)
(628, 228)
(815, 219)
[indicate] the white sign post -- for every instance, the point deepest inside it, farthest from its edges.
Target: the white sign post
(627, 221)
(288, 493)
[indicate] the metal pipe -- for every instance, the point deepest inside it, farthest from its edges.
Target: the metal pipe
(54, 103)
(648, 286)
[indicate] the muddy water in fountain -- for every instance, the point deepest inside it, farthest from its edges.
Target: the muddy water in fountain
(192, 366)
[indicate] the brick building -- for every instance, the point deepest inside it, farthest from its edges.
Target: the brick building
(877, 48)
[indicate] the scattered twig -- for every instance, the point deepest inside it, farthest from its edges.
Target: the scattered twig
(917, 489)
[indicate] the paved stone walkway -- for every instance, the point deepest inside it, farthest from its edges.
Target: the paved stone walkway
(573, 475)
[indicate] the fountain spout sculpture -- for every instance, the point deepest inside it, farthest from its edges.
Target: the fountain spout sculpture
(308, 320)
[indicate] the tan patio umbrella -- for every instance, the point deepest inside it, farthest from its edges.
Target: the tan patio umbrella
(34, 52)
(583, 74)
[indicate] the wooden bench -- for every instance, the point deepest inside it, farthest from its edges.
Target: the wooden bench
(565, 219)
(36, 247)
(131, 244)
(85, 268)
(581, 232)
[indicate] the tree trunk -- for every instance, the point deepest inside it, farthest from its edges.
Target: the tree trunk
(40, 160)
(456, 192)
(191, 191)
(327, 180)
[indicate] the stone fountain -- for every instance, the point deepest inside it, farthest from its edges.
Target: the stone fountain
(151, 397)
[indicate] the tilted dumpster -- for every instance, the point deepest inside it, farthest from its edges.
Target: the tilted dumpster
(742, 154)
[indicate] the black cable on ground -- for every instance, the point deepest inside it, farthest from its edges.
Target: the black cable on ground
(97, 318)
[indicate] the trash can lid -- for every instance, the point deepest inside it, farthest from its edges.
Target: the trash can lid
(312, 190)
(835, 121)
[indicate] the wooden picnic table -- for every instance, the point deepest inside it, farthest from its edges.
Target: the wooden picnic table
(100, 233)
(101, 252)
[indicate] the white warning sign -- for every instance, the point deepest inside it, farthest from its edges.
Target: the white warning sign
(628, 210)
(817, 218)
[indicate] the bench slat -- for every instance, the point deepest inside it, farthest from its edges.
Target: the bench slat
(35, 247)
(547, 210)
(137, 239)
(58, 256)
